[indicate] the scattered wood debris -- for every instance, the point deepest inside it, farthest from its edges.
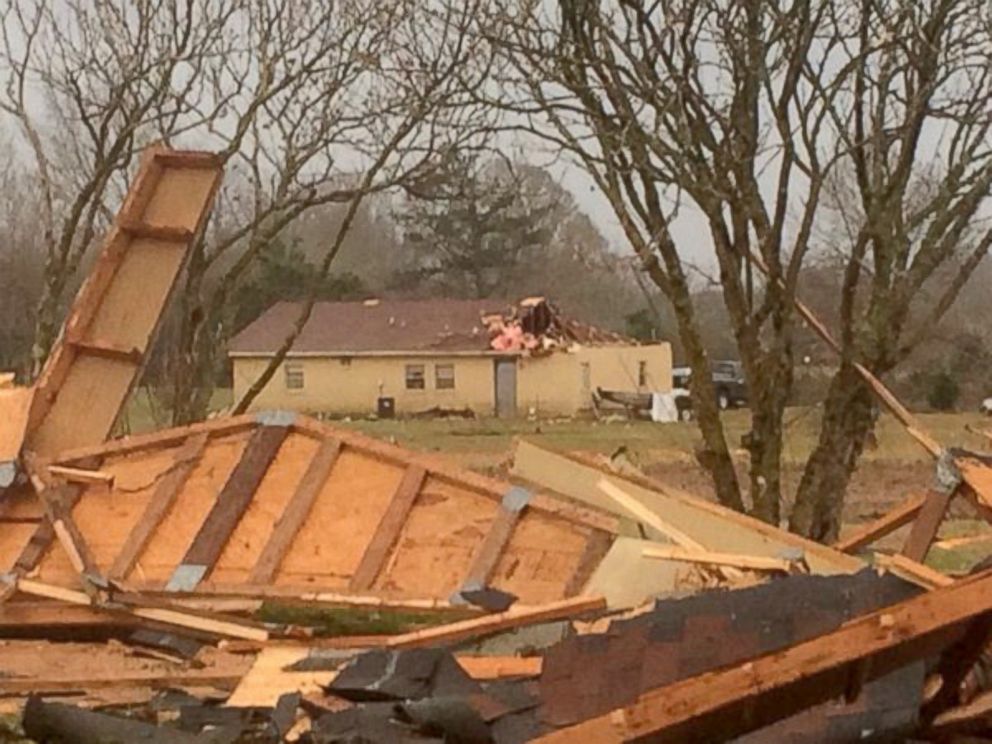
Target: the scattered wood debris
(271, 578)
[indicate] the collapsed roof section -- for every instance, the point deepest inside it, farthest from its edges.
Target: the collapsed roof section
(245, 503)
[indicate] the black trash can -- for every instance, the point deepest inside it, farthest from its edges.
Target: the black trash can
(386, 407)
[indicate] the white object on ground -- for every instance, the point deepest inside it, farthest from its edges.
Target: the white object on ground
(663, 408)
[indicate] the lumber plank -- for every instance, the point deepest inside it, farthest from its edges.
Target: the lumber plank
(165, 233)
(79, 475)
(231, 504)
(497, 538)
(978, 475)
(913, 571)
(927, 522)
(157, 680)
(21, 615)
(709, 557)
(295, 513)
(189, 159)
(167, 615)
(710, 523)
(388, 530)
(512, 618)
(35, 549)
(107, 350)
(41, 540)
(159, 505)
(297, 594)
(136, 443)
(647, 516)
(748, 696)
(901, 515)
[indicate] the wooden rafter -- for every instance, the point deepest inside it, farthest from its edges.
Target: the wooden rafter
(231, 504)
(388, 531)
(159, 505)
(889, 522)
(295, 513)
(497, 539)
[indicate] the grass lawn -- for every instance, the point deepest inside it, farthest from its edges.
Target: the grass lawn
(652, 442)
(659, 441)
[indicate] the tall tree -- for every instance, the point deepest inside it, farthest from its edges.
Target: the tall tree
(472, 225)
(743, 113)
(309, 103)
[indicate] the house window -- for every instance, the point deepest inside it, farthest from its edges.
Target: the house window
(293, 372)
(415, 377)
(444, 376)
(642, 374)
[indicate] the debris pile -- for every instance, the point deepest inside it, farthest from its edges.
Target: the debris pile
(535, 325)
(271, 578)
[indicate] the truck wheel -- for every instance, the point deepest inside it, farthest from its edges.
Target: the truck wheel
(685, 414)
(723, 400)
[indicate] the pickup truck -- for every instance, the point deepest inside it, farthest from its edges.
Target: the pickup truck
(728, 381)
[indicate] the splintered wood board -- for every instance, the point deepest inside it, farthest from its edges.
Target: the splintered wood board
(116, 314)
(419, 529)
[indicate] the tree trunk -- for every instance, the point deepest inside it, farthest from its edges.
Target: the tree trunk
(764, 444)
(714, 455)
(848, 417)
(48, 320)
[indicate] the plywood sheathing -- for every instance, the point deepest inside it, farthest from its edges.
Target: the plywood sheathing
(116, 314)
(712, 526)
(14, 406)
(435, 544)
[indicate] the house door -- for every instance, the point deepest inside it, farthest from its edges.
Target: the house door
(506, 388)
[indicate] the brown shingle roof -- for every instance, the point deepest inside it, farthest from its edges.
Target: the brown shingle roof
(383, 325)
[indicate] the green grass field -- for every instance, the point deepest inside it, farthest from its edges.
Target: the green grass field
(654, 442)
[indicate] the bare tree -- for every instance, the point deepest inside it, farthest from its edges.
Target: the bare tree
(87, 84)
(742, 114)
(702, 106)
(915, 133)
(309, 102)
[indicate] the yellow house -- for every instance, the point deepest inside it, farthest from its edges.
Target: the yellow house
(407, 357)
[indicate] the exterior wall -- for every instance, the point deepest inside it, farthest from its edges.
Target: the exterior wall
(554, 385)
(559, 384)
(340, 386)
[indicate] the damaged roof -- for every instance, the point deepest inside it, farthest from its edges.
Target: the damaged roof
(391, 326)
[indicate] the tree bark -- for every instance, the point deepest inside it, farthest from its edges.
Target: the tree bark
(48, 319)
(714, 455)
(848, 417)
(764, 444)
